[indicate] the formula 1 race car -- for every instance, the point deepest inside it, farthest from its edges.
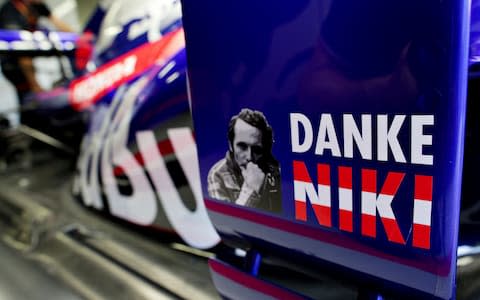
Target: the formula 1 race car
(330, 140)
(137, 160)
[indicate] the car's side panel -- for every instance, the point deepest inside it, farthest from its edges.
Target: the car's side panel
(384, 202)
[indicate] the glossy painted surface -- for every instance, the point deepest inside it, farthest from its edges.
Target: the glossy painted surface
(14, 40)
(393, 64)
(127, 25)
(138, 158)
(234, 284)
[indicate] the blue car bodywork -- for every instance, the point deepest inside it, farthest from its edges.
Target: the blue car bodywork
(366, 100)
(367, 103)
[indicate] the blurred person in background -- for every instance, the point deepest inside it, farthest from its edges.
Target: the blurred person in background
(20, 71)
(24, 15)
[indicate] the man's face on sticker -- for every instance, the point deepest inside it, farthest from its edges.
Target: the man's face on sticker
(247, 144)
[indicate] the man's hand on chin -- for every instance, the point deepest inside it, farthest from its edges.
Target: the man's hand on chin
(253, 176)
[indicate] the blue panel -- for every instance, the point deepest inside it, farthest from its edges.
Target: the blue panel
(400, 66)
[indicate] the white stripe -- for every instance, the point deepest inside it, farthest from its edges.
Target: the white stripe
(304, 190)
(384, 206)
(324, 195)
(299, 191)
(422, 212)
(345, 199)
(369, 206)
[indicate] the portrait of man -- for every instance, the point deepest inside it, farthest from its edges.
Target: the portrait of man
(249, 175)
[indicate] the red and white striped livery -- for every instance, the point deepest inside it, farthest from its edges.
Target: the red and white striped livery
(375, 200)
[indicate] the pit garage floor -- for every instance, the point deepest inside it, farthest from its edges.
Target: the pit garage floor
(54, 248)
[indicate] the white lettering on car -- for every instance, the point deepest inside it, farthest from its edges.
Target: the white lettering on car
(107, 149)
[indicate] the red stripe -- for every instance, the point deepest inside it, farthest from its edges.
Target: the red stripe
(146, 56)
(251, 282)
(300, 210)
(165, 147)
(423, 187)
(300, 172)
(369, 225)
(435, 266)
(392, 183)
(323, 214)
(346, 220)
(345, 177)
(323, 174)
(421, 236)
(369, 181)
(393, 231)
(390, 186)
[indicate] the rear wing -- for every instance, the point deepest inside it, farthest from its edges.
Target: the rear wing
(37, 43)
